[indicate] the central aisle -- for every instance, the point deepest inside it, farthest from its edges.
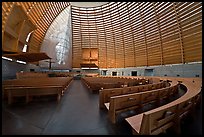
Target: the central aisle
(78, 113)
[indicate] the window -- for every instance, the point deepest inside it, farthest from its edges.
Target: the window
(61, 50)
(26, 46)
(22, 62)
(134, 73)
(7, 58)
(59, 39)
(114, 73)
(104, 72)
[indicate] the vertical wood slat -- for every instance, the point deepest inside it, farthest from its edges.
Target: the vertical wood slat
(122, 34)
(96, 35)
(180, 33)
(159, 31)
(113, 35)
(143, 28)
(181, 11)
(132, 34)
(105, 37)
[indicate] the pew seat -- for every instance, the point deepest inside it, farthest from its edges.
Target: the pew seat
(28, 92)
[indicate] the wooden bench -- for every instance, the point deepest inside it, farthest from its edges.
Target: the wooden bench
(97, 83)
(28, 92)
(102, 82)
(160, 119)
(33, 82)
(133, 101)
(153, 123)
(22, 75)
(105, 94)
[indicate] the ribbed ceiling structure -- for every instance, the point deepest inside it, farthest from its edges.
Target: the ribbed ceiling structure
(87, 4)
(127, 34)
(132, 34)
(41, 14)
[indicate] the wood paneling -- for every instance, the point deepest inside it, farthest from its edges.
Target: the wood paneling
(41, 15)
(127, 34)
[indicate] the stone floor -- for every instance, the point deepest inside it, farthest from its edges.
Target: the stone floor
(76, 114)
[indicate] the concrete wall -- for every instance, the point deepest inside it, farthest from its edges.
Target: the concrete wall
(181, 70)
(9, 68)
(86, 71)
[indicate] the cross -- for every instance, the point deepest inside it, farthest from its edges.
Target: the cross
(50, 63)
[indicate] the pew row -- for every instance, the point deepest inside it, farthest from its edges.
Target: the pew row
(127, 102)
(158, 120)
(106, 94)
(22, 75)
(29, 92)
(35, 83)
(97, 83)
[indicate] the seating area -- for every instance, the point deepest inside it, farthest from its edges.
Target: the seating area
(106, 94)
(128, 97)
(30, 87)
(127, 102)
(102, 68)
(97, 83)
(22, 75)
(154, 121)
(158, 120)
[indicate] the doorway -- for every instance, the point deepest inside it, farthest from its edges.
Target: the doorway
(133, 73)
(114, 73)
(103, 72)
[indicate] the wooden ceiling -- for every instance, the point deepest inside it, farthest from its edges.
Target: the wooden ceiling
(88, 4)
(134, 34)
(127, 34)
(41, 14)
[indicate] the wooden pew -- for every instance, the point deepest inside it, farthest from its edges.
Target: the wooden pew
(22, 75)
(156, 121)
(153, 123)
(128, 102)
(33, 91)
(97, 83)
(33, 82)
(105, 94)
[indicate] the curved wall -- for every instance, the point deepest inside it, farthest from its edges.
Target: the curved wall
(133, 34)
(127, 34)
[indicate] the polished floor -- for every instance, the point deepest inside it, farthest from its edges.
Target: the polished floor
(76, 114)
